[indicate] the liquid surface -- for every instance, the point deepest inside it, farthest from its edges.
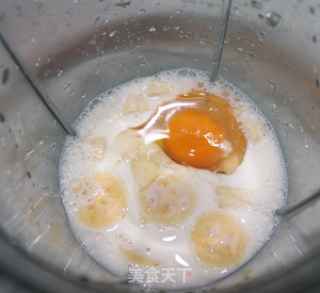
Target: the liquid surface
(146, 213)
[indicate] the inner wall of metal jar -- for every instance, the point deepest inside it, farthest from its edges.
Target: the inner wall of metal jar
(74, 51)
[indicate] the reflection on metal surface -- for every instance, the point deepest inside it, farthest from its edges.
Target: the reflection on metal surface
(47, 102)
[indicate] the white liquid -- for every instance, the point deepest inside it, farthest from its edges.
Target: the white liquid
(262, 173)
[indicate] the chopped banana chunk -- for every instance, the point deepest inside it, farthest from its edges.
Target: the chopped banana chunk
(135, 104)
(157, 88)
(229, 196)
(230, 163)
(145, 170)
(251, 128)
(127, 142)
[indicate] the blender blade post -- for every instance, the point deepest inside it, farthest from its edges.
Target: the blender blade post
(46, 100)
(217, 54)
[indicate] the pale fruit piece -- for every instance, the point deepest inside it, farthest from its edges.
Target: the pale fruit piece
(135, 104)
(157, 87)
(136, 258)
(229, 197)
(98, 148)
(251, 128)
(145, 170)
(127, 142)
(219, 239)
(230, 163)
(109, 206)
(168, 200)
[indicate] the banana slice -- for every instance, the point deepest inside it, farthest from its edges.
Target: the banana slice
(108, 207)
(168, 200)
(136, 258)
(219, 239)
(229, 197)
(98, 148)
(157, 87)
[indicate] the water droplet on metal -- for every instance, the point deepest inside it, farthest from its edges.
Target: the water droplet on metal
(235, 10)
(123, 3)
(256, 4)
(251, 54)
(260, 39)
(67, 87)
(59, 72)
(38, 62)
(273, 108)
(315, 68)
(272, 85)
(272, 18)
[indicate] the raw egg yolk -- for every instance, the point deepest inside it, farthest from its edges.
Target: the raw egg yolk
(195, 139)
